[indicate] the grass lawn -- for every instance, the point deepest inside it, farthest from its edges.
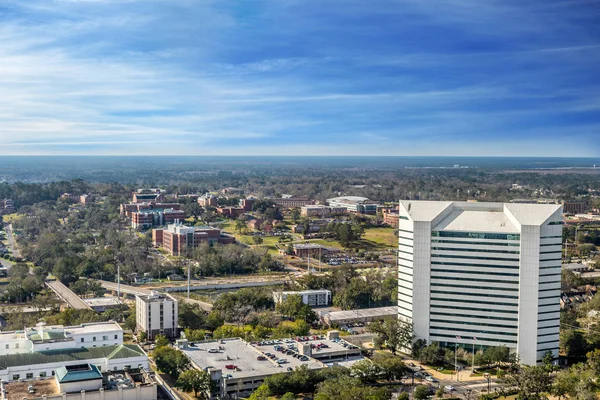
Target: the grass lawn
(11, 217)
(381, 238)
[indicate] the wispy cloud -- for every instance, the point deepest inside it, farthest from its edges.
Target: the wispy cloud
(287, 77)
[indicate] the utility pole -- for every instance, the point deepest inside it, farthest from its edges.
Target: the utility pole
(188, 280)
(119, 281)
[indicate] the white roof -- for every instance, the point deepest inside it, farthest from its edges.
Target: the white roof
(476, 221)
(479, 216)
(353, 199)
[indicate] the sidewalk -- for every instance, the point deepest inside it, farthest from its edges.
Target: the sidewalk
(463, 376)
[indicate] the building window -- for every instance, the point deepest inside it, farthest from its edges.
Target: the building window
(16, 377)
(7, 346)
(53, 372)
(16, 345)
(104, 337)
(42, 374)
(94, 338)
(116, 337)
(82, 340)
(29, 375)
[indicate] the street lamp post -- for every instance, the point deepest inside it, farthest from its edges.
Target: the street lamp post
(489, 379)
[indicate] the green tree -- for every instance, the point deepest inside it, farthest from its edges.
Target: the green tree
(366, 371)
(531, 382)
(391, 367)
(439, 393)
(161, 341)
(346, 388)
(421, 392)
(395, 333)
(293, 306)
(169, 360)
(194, 380)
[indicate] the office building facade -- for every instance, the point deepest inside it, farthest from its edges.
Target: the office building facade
(482, 273)
(157, 314)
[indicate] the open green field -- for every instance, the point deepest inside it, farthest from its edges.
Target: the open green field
(11, 217)
(379, 238)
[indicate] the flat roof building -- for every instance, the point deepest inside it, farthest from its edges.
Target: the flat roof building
(339, 318)
(292, 202)
(313, 298)
(322, 211)
(44, 337)
(177, 238)
(355, 204)
(157, 314)
(485, 273)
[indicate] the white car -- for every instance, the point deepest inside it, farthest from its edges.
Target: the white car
(450, 388)
(213, 350)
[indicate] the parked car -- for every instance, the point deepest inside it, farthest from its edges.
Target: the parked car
(230, 366)
(449, 388)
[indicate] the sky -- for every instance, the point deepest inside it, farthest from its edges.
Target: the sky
(292, 77)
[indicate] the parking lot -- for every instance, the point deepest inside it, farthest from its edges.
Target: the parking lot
(322, 349)
(238, 359)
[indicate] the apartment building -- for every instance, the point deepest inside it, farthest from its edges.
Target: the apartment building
(482, 273)
(156, 314)
(177, 238)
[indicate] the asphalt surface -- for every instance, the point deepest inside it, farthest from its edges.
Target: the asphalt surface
(11, 241)
(67, 295)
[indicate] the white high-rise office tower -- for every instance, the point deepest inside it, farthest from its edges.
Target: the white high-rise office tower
(484, 273)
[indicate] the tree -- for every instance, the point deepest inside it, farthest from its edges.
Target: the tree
(573, 343)
(391, 367)
(257, 239)
(531, 382)
(395, 333)
(421, 392)
(161, 341)
(578, 382)
(346, 388)
(292, 306)
(170, 360)
(366, 371)
(439, 393)
(593, 360)
(196, 381)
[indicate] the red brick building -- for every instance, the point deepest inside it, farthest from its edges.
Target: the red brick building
(177, 238)
(391, 217)
(293, 202)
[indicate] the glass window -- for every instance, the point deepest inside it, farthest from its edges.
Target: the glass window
(16, 345)
(94, 338)
(105, 337)
(477, 235)
(29, 375)
(16, 377)
(7, 346)
(42, 374)
(82, 340)
(116, 337)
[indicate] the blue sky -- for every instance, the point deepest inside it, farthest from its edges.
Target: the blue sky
(279, 77)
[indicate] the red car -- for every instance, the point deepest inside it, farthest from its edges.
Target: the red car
(261, 358)
(231, 366)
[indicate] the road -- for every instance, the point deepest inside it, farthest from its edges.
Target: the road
(203, 305)
(68, 296)
(12, 242)
(126, 288)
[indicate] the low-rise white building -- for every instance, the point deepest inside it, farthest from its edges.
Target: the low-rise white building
(314, 298)
(47, 338)
(157, 314)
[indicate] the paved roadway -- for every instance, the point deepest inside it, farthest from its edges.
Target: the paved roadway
(126, 288)
(203, 305)
(68, 296)
(11, 241)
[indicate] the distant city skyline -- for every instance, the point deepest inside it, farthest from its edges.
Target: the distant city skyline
(285, 77)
